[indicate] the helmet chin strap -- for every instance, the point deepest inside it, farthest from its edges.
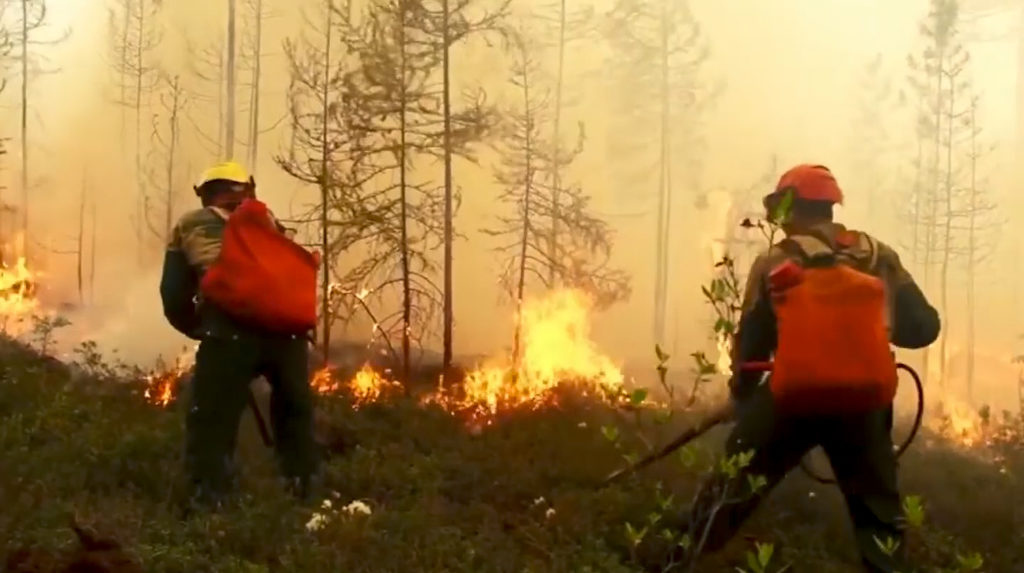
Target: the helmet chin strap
(229, 201)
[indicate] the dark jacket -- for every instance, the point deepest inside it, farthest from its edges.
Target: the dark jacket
(913, 322)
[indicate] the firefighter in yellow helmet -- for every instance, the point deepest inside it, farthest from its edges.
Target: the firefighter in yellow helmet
(231, 354)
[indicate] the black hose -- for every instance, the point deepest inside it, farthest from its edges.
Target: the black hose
(903, 446)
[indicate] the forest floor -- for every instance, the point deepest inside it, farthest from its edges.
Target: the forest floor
(518, 496)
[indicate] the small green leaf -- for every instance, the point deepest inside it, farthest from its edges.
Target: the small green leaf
(764, 553)
(913, 510)
(611, 433)
(661, 354)
(972, 562)
(688, 455)
(638, 396)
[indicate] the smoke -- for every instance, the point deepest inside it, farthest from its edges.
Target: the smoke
(131, 328)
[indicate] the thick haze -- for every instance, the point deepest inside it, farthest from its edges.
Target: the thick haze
(792, 71)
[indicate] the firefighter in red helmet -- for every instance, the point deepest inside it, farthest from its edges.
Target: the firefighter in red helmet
(857, 442)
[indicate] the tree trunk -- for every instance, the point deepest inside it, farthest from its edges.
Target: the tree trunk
(254, 100)
(123, 55)
(172, 149)
(140, 193)
(24, 126)
(524, 238)
(556, 129)
(947, 232)
(80, 250)
(933, 187)
(229, 126)
(971, 257)
(661, 246)
(402, 175)
(449, 223)
(325, 284)
(221, 107)
(92, 252)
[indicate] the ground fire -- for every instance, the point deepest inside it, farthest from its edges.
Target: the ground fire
(162, 382)
(17, 291)
(556, 350)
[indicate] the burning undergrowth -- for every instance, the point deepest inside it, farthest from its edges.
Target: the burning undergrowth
(558, 360)
(557, 352)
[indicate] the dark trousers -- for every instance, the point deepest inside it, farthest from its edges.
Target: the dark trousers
(859, 448)
(224, 369)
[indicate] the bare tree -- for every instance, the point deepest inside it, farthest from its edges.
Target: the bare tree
(92, 250)
(80, 239)
(254, 54)
(207, 66)
(452, 22)
(659, 51)
(134, 30)
(31, 20)
(399, 60)
(6, 49)
(230, 114)
(585, 242)
(937, 77)
(319, 152)
(165, 155)
(566, 26)
(982, 227)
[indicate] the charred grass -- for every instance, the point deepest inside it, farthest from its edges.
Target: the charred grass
(518, 496)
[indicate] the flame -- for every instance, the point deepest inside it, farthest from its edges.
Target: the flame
(17, 290)
(324, 382)
(162, 384)
(365, 387)
(959, 423)
(556, 350)
(368, 386)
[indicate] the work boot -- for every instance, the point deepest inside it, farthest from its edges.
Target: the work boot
(301, 488)
(200, 499)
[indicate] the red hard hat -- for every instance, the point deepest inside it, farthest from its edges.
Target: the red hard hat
(810, 182)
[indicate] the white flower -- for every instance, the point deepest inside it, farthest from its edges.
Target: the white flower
(317, 522)
(539, 501)
(357, 507)
(581, 425)
(549, 513)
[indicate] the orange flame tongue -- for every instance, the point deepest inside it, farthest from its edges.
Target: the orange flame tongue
(556, 349)
(17, 290)
(162, 385)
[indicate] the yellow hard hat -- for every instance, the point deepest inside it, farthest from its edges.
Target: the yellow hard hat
(226, 171)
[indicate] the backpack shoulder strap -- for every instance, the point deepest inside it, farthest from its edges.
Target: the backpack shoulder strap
(219, 212)
(869, 244)
(806, 247)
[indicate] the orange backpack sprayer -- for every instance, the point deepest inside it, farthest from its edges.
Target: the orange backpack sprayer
(832, 355)
(261, 277)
